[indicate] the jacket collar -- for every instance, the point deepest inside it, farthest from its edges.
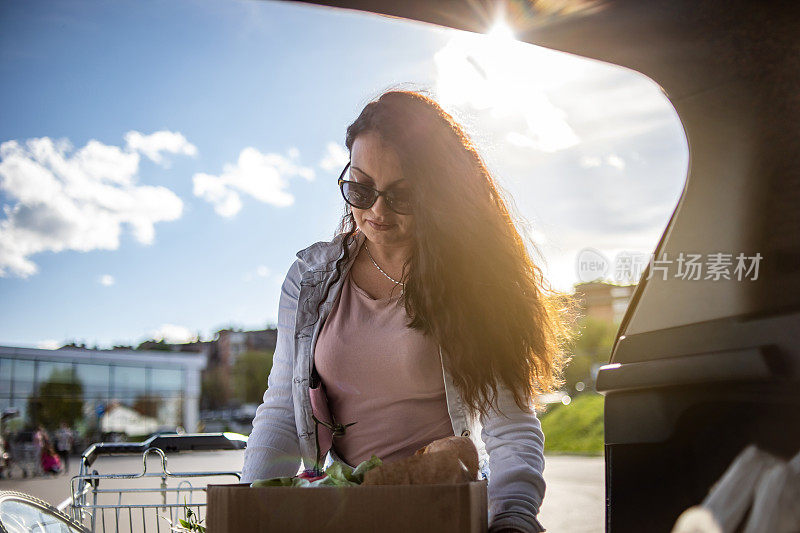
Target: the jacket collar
(323, 255)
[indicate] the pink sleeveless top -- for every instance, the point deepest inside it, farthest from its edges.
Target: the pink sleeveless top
(382, 375)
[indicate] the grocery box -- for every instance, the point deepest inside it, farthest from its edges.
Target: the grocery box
(440, 508)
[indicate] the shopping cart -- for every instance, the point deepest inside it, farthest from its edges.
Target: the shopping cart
(144, 500)
(24, 456)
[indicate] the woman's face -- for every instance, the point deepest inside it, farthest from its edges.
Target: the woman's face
(374, 163)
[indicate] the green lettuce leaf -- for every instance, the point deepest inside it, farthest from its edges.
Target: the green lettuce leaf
(358, 474)
(338, 475)
(273, 482)
(330, 481)
(340, 471)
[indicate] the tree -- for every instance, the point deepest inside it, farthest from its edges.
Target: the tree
(590, 348)
(155, 345)
(215, 392)
(146, 405)
(250, 372)
(58, 399)
(74, 344)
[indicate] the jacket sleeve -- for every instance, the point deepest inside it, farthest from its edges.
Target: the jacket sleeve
(273, 448)
(515, 444)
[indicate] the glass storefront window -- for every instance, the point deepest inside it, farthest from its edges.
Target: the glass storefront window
(12, 423)
(87, 393)
(24, 372)
(52, 372)
(144, 405)
(129, 381)
(5, 376)
(166, 380)
(170, 412)
(21, 405)
(57, 397)
(94, 379)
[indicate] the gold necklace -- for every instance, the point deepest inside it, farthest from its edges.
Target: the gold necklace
(379, 268)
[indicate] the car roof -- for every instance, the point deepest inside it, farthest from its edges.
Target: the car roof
(683, 46)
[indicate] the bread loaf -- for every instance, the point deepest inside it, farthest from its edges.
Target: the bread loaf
(463, 446)
(425, 469)
(449, 460)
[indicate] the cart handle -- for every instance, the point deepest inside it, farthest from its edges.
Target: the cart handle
(167, 443)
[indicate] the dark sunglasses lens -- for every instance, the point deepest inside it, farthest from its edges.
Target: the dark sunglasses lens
(400, 202)
(358, 195)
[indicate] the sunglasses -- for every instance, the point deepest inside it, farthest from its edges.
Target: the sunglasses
(363, 196)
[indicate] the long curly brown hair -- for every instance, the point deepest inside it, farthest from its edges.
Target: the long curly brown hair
(470, 282)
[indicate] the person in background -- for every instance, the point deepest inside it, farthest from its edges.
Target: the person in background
(39, 439)
(64, 442)
(50, 462)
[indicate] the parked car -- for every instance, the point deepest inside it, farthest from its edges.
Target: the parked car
(700, 367)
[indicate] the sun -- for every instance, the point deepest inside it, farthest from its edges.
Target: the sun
(501, 32)
(495, 72)
(472, 65)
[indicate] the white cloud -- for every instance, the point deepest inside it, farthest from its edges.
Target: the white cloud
(611, 160)
(615, 161)
(106, 280)
(336, 157)
(173, 334)
(73, 201)
(262, 271)
(49, 344)
(590, 161)
(264, 177)
(154, 144)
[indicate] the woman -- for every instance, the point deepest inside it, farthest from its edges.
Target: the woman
(424, 317)
(50, 462)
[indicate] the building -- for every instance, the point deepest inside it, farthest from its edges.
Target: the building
(164, 386)
(230, 344)
(605, 301)
(163, 346)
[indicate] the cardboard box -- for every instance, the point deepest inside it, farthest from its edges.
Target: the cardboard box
(453, 508)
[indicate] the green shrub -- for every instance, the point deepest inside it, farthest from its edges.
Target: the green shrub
(575, 428)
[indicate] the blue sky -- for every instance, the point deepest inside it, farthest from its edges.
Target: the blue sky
(162, 162)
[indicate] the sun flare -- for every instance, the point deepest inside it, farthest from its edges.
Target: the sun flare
(495, 72)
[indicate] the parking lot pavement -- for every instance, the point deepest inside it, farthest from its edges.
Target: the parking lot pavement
(574, 502)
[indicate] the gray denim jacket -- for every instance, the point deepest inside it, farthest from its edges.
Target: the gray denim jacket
(510, 445)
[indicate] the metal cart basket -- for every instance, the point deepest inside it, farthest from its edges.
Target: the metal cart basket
(145, 500)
